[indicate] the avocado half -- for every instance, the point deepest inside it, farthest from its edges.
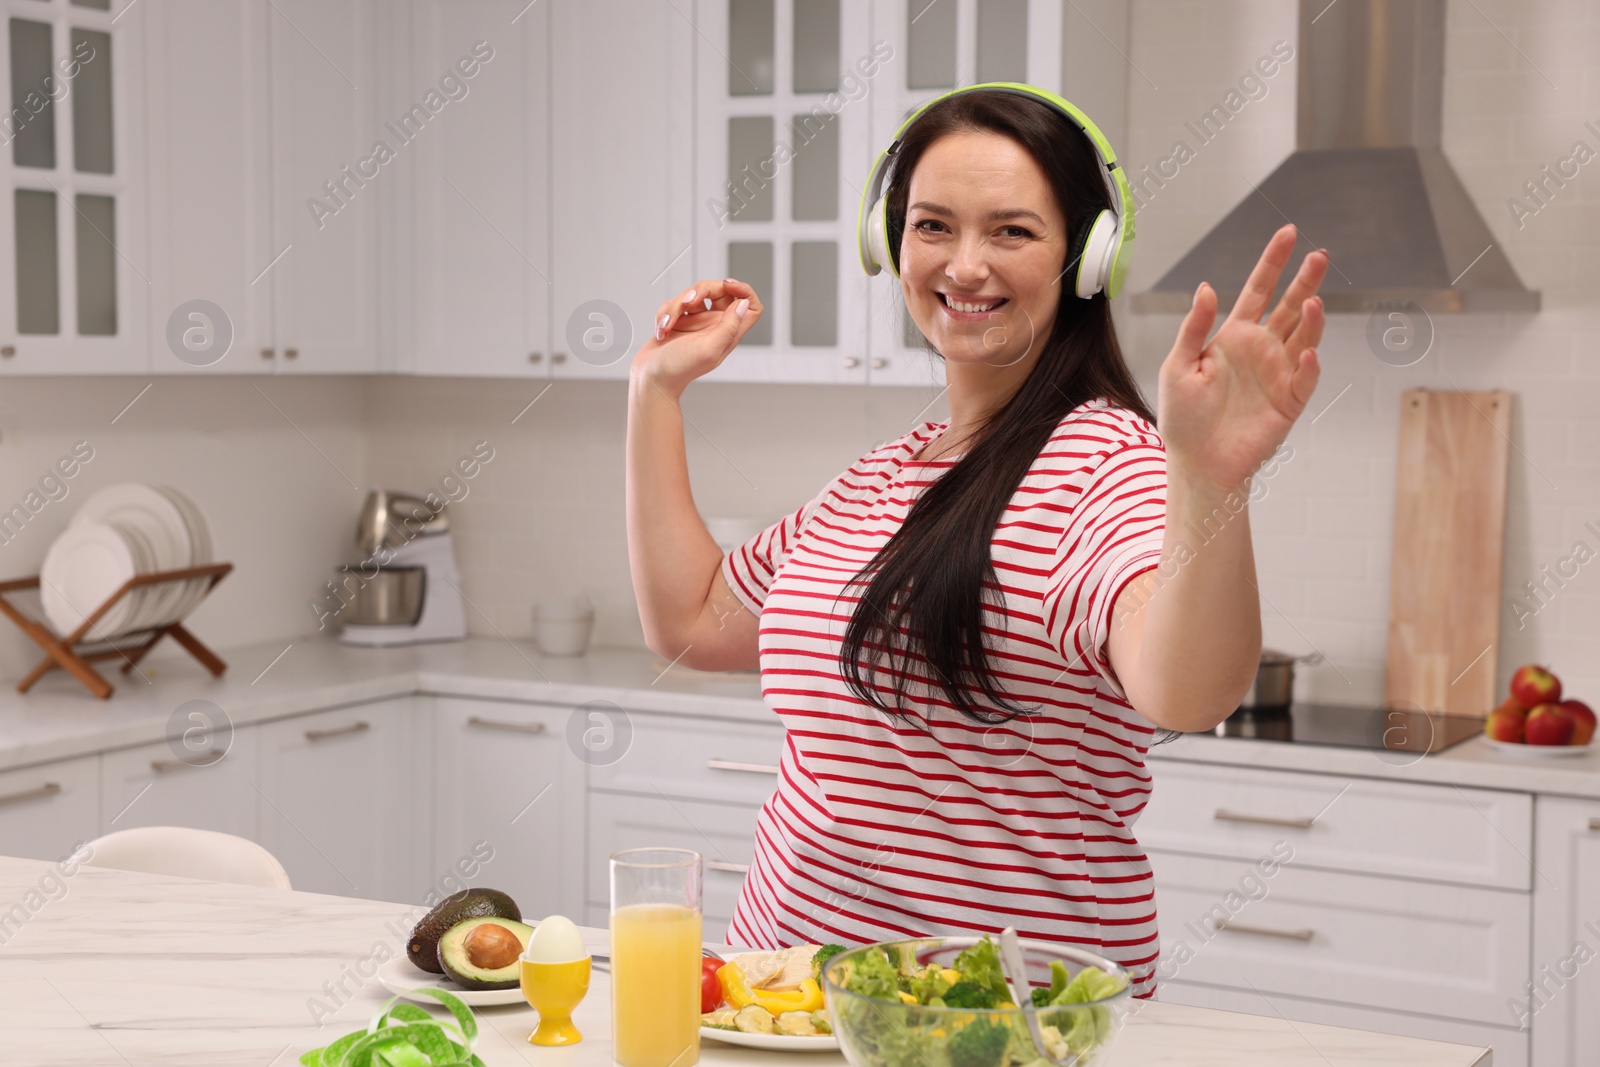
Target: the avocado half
(422, 947)
(484, 953)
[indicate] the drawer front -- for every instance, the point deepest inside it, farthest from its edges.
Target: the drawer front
(1510, 1046)
(696, 758)
(1474, 837)
(47, 811)
(723, 834)
(150, 786)
(1381, 943)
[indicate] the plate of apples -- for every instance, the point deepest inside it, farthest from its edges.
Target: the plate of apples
(1535, 721)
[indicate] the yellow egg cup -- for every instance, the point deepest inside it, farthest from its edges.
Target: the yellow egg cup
(554, 990)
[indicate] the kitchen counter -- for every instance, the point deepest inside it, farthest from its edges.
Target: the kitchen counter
(120, 967)
(59, 719)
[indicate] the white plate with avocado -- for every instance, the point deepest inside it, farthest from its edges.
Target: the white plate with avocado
(401, 977)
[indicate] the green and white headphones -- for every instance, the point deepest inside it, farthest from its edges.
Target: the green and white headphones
(1102, 261)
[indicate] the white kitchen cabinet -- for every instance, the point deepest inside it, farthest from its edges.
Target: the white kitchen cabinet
(781, 148)
(621, 155)
(505, 774)
(264, 134)
(480, 275)
(329, 153)
(346, 800)
(151, 785)
(1564, 1006)
(73, 270)
(723, 834)
(48, 810)
(208, 94)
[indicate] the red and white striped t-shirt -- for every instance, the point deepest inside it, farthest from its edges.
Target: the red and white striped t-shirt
(882, 829)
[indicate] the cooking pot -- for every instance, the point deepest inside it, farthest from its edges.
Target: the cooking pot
(1274, 685)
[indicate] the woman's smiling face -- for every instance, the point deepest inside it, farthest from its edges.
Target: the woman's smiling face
(983, 249)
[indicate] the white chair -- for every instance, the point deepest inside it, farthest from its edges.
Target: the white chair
(188, 853)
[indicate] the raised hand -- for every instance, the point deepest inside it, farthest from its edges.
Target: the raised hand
(691, 338)
(1225, 406)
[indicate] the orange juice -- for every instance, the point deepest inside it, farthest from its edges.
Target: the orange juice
(655, 985)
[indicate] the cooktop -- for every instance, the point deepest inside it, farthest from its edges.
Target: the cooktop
(1352, 726)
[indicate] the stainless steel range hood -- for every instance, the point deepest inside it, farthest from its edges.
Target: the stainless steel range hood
(1366, 181)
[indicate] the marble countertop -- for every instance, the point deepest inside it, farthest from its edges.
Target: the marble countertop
(58, 719)
(113, 967)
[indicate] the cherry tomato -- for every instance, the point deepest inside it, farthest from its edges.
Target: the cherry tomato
(710, 985)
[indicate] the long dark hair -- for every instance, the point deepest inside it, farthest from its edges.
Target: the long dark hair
(927, 590)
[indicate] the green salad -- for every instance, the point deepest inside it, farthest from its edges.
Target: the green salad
(912, 1038)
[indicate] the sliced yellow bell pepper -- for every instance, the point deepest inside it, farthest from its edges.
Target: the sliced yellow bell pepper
(807, 998)
(735, 990)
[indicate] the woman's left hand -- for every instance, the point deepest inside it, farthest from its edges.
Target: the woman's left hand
(1226, 406)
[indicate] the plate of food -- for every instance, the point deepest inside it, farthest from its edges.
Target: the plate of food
(768, 1000)
(468, 944)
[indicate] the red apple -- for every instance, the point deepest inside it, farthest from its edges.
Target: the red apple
(1549, 724)
(1532, 685)
(1505, 723)
(1583, 715)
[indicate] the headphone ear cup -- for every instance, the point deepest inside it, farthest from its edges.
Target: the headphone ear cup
(878, 238)
(1099, 250)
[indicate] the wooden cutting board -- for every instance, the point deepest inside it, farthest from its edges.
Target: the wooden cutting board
(1449, 536)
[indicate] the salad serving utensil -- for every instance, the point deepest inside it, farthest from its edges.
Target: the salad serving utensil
(1016, 972)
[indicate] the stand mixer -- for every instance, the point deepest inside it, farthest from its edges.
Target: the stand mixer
(405, 590)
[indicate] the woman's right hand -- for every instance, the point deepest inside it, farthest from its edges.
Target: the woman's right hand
(691, 339)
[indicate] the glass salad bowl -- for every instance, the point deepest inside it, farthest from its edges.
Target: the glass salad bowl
(944, 1002)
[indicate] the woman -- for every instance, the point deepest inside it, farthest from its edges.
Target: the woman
(966, 634)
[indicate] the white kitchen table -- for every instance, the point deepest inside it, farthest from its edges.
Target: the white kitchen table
(112, 967)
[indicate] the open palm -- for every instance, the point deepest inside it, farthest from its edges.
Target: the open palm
(1225, 406)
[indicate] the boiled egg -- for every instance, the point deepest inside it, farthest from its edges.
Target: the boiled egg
(555, 940)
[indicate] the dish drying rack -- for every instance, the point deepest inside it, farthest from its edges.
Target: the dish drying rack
(74, 653)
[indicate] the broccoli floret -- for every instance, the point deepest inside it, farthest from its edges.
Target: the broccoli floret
(874, 976)
(823, 955)
(981, 1043)
(965, 994)
(1041, 997)
(906, 959)
(981, 964)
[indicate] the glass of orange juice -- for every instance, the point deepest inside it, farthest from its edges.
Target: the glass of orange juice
(655, 957)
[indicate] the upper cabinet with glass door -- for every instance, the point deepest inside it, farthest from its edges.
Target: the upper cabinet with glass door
(73, 281)
(784, 89)
(940, 45)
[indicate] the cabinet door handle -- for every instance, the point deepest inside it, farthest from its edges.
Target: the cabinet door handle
(1594, 824)
(1225, 815)
(1266, 931)
(291, 353)
(323, 735)
(500, 724)
(731, 868)
(162, 766)
(535, 357)
(878, 363)
(49, 789)
(8, 351)
(266, 353)
(734, 765)
(850, 362)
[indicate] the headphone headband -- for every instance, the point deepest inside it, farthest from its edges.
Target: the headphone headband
(1101, 262)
